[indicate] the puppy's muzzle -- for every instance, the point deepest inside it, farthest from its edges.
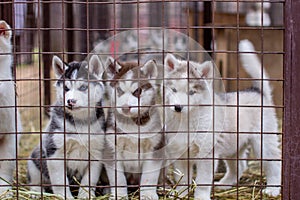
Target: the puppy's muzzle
(71, 103)
(178, 108)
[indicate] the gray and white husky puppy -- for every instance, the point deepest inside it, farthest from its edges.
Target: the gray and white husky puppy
(188, 96)
(10, 122)
(75, 131)
(134, 132)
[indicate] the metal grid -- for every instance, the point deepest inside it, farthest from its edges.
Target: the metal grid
(69, 29)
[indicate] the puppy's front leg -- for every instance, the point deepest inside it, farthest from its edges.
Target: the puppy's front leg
(205, 172)
(116, 173)
(94, 174)
(58, 178)
(150, 175)
(184, 178)
(6, 173)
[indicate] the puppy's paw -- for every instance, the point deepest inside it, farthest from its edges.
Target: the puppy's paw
(202, 197)
(84, 194)
(225, 184)
(121, 194)
(272, 191)
(149, 195)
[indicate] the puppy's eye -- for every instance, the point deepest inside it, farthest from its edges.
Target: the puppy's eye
(83, 88)
(137, 92)
(174, 90)
(120, 91)
(66, 88)
(192, 92)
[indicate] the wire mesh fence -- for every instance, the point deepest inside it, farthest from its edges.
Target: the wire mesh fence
(145, 99)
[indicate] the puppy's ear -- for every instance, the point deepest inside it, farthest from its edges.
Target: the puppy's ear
(112, 67)
(59, 66)
(95, 66)
(205, 69)
(150, 69)
(171, 62)
(5, 30)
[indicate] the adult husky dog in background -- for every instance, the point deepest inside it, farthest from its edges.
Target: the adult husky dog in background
(10, 122)
(184, 112)
(75, 131)
(134, 131)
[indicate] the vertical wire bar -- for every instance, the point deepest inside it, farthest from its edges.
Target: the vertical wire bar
(40, 24)
(213, 55)
(261, 96)
(187, 159)
(45, 11)
(87, 31)
(188, 113)
(15, 99)
(238, 96)
(139, 101)
(161, 81)
(89, 105)
(65, 132)
(115, 159)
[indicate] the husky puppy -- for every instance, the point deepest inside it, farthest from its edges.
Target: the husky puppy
(187, 109)
(75, 131)
(10, 122)
(134, 131)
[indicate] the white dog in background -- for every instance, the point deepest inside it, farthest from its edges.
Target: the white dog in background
(10, 122)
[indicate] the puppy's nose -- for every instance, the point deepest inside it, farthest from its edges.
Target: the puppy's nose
(178, 108)
(126, 108)
(71, 102)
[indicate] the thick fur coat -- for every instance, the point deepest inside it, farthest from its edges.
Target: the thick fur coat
(75, 132)
(237, 122)
(134, 132)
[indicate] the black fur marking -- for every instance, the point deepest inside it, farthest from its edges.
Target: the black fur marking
(50, 145)
(142, 120)
(252, 89)
(40, 164)
(82, 72)
(54, 125)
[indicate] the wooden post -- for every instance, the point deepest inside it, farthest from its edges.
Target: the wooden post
(291, 127)
(46, 56)
(207, 21)
(6, 13)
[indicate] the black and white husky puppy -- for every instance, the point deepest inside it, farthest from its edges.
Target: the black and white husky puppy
(134, 131)
(10, 122)
(75, 131)
(188, 96)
